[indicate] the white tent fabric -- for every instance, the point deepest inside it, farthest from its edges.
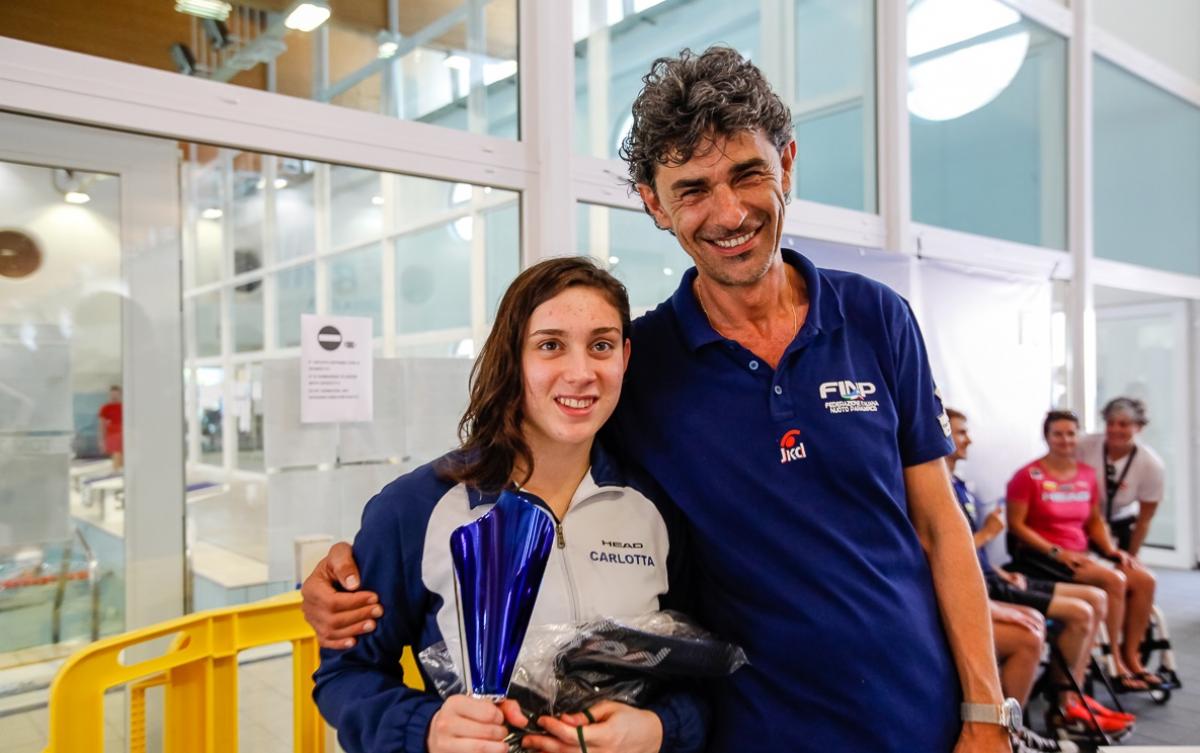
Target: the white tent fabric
(988, 335)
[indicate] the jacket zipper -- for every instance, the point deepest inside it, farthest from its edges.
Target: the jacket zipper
(560, 539)
(572, 594)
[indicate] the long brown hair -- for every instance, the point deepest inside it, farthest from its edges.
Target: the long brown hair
(490, 430)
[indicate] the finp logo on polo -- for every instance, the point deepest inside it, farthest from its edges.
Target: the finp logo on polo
(848, 396)
(791, 448)
(847, 389)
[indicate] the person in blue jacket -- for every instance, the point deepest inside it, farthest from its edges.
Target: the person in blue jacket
(547, 378)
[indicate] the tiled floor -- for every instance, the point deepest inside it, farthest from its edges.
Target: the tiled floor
(265, 719)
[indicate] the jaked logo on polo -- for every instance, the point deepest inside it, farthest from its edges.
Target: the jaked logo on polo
(851, 396)
(791, 448)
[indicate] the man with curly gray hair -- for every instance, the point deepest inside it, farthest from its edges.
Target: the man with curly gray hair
(852, 580)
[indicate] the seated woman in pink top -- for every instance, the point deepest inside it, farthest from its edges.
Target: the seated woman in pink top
(1053, 511)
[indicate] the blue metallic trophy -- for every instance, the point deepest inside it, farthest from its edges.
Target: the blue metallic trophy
(499, 561)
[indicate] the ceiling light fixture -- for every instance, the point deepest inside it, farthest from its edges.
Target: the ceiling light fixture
(280, 183)
(388, 49)
(76, 197)
(307, 15)
(215, 9)
(377, 200)
(962, 55)
(212, 213)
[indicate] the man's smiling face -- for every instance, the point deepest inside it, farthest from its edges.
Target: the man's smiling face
(725, 205)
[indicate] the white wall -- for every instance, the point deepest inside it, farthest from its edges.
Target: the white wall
(1166, 30)
(78, 287)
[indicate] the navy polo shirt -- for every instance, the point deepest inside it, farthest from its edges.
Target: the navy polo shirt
(792, 483)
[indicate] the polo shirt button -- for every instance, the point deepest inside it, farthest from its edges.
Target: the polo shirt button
(754, 365)
(778, 390)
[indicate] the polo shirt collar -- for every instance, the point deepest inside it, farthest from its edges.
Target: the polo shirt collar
(824, 305)
(605, 471)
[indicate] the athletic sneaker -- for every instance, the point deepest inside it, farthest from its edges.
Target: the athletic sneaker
(1077, 719)
(1100, 709)
(1028, 741)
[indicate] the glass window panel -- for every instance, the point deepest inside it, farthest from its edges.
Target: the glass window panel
(206, 323)
(988, 108)
(448, 231)
(431, 290)
(827, 77)
(834, 102)
(295, 213)
(1146, 173)
(646, 259)
(210, 381)
(432, 62)
(356, 206)
(296, 294)
(248, 316)
(1137, 356)
(356, 285)
(503, 233)
(62, 480)
(248, 189)
(208, 203)
(248, 412)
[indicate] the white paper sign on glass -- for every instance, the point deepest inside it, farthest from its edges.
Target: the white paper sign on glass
(336, 382)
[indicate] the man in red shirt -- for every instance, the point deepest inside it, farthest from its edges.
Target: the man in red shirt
(111, 423)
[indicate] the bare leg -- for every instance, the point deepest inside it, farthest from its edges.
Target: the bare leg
(1078, 634)
(1112, 582)
(1137, 613)
(1019, 650)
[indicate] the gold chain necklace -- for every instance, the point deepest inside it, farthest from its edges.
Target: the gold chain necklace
(711, 323)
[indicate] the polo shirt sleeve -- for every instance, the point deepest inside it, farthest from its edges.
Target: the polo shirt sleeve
(924, 430)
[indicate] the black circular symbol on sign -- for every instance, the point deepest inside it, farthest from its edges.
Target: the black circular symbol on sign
(329, 337)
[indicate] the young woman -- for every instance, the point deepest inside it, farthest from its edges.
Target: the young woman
(1053, 512)
(1133, 473)
(547, 379)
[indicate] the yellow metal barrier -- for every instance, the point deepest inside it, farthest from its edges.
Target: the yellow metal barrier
(199, 676)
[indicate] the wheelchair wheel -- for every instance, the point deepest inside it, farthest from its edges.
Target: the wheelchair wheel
(1160, 696)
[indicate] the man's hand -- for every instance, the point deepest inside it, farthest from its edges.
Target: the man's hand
(983, 738)
(338, 616)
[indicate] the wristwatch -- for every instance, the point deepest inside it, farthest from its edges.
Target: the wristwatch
(1007, 714)
(1052, 552)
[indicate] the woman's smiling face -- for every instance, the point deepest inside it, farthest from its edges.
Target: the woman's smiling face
(572, 361)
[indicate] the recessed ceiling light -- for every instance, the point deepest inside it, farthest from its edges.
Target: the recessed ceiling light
(216, 9)
(212, 213)
(281, 182)
(668, 271)
(77, 197)
(388, 49)
(307, 16)
(614, 260)
(377, 200)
